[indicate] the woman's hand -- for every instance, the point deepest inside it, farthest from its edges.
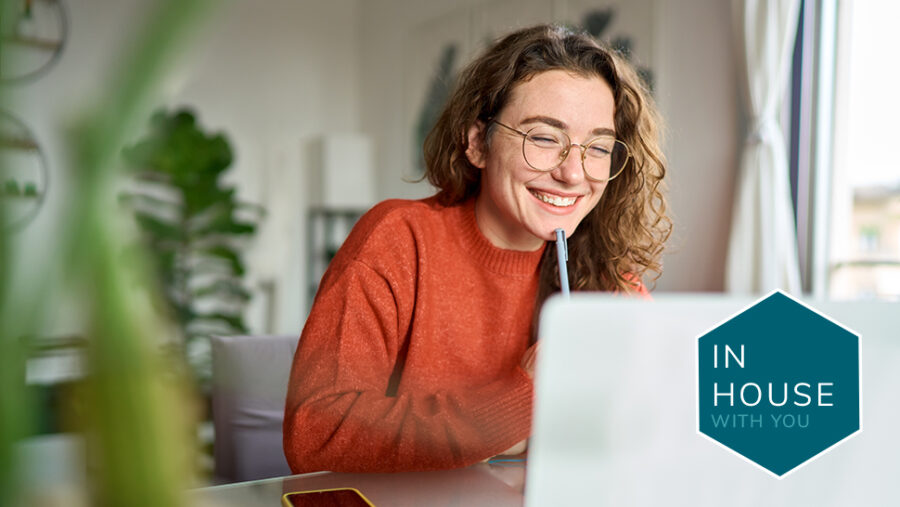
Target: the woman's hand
(516, 449)
(529, 358)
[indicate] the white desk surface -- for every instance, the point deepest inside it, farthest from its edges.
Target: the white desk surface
(483, 484)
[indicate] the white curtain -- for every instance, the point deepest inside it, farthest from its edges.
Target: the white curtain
(762, 251)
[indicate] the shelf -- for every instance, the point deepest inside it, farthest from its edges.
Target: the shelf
(13, 143)
(34, 42)
(326, 229)
(7, 197)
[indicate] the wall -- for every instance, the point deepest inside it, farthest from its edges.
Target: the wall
(272, 75)
(696, 87)
(700, 99)
(276, 75)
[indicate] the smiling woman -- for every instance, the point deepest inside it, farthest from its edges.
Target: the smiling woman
(418, 353)
(520, 207)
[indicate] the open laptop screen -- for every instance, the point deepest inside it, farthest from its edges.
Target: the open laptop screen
(616, 410)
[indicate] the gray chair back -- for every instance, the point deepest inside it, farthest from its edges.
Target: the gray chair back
(249, 385)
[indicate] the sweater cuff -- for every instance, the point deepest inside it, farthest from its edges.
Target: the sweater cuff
(505, 416)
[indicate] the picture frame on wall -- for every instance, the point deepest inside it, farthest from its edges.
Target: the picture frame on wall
(435, 52)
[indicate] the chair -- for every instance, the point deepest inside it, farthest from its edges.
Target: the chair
(249, 385)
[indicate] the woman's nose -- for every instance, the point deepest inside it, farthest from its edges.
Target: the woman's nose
(570, 170)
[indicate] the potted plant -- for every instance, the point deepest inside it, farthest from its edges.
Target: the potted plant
(193, 227)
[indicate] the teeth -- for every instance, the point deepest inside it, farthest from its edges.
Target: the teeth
(556, 201)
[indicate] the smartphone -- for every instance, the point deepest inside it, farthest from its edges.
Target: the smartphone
(339, 497)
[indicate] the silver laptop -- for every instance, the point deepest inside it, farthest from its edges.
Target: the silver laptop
(593, 444)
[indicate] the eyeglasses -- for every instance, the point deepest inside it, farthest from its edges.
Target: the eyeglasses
(545, 148)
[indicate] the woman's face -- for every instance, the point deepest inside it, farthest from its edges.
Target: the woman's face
(519, 208)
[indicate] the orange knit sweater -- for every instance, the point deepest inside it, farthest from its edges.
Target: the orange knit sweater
(410, 357)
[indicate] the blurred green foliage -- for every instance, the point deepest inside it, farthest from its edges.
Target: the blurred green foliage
(16, 408)
(137, 414)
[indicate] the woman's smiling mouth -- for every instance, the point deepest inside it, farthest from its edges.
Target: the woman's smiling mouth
(554, 200)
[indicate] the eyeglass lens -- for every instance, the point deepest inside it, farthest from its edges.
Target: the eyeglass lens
(546, 147)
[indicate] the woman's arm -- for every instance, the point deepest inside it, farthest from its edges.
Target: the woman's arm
(339, 416)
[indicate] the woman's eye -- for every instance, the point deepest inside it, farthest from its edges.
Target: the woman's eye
(545, 140)
(599, 151)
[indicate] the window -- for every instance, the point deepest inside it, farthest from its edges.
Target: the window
(844, 173)
(864, 257)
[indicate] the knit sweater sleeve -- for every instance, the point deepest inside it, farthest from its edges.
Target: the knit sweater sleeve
(340, 414)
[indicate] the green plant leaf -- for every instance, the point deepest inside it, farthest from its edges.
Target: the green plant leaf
(224, 289)
(226, 226)
(158, 229)
(226, 254)
(225, 321)
(11, 187)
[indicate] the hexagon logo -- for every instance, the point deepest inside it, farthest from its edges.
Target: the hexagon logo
(778, 383)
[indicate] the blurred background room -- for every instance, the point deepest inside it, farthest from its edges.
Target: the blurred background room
(179, 170)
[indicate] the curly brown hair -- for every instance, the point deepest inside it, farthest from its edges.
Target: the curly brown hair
(622, 238)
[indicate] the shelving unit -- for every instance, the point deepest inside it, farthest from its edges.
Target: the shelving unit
(36, 40)
(326, 230)
(24, 174)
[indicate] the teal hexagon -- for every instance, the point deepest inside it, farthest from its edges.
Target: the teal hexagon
(778, 383)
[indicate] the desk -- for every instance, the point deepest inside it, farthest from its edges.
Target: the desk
(483, 484)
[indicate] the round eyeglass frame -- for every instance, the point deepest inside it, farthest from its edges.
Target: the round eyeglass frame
(565, 153)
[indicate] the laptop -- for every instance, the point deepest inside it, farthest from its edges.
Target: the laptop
(615, 419)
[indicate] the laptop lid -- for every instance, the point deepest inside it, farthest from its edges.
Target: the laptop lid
(615, 418)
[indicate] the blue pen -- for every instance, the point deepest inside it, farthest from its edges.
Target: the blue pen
(562, 255)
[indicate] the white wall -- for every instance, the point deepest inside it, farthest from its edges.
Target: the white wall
(696, 78)
(699, 96)
(275, 75)
(271, 75)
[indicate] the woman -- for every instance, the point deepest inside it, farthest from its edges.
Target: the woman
(417, 354)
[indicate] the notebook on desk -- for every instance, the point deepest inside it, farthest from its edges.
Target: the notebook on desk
(616, 413)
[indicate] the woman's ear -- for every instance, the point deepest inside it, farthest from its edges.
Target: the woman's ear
(475, 151)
